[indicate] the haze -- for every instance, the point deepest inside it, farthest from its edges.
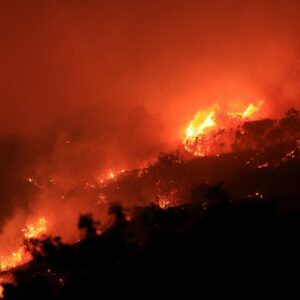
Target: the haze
(173, 57)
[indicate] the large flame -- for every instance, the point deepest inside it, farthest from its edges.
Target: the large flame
(201, 135)
(201, 122)
(20, 256)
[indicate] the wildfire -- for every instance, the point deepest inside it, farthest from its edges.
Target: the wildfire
(20, 256)
(202, 123)
(36, 229)
(199, 124)
(203, 132)
(12, 261)
(109, 175)
(251, 109)
(164, 203)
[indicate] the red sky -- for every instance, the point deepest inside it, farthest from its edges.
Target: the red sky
(125, 77)
(174, 57)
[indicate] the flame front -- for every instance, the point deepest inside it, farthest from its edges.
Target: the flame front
(202, 123)
(20, 256)
(201, 136)
(198, 126)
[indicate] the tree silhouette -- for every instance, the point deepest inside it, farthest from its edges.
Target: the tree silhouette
(217, 196)
(87, 225)
(209, 196)
(116, 209)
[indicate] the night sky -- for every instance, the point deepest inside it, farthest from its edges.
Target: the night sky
(174, 57)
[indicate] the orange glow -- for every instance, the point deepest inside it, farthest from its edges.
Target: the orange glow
(36, 229)
(109, 175)
(20, 256)
(202, 136)
(251, 109)
(164, 203)
(197, 126)
(12, 261)
(202, 123)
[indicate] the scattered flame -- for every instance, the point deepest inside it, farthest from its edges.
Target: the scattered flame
(201, 133)
(251, 109)
(36, 229)
(164, 203)
(20, 256)
(263, 165)
(107, 176)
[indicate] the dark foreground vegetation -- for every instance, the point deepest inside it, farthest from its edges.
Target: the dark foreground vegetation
(211, 239)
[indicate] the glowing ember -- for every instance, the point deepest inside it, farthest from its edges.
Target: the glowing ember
(20, 256)
(210, 132)
(164, 203)
(167, 200)
(109, 175)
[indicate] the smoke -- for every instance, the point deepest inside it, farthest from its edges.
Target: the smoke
(173, 56)
(49, 173)
(91, 88)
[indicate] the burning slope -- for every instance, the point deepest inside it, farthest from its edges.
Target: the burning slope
(212, 132)
(21, 256)
(169, 180)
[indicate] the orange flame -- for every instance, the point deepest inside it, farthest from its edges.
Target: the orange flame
(164, 203)
(36, 229)
(202, 123)
(197, 126)
(21, 256)
(251, 109)
(200, 130)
